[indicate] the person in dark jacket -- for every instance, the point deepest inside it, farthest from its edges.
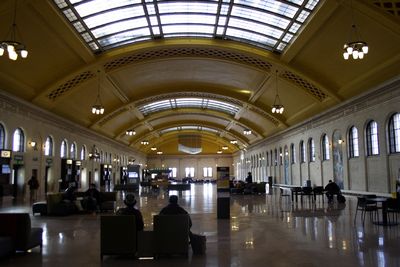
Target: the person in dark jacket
(92, 198)
(249, 178)
(130, 209)
(173, 208)
(331, 189)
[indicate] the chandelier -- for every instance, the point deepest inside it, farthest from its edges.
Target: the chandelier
(98, 108)
(357, 49)
(277, 107)
(93, 154)
(145, 142)
(130, 132)
(13, 47)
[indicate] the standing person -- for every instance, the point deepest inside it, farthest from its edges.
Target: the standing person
(173, 208)
(130, 209)
(33, 184)
(331, 189)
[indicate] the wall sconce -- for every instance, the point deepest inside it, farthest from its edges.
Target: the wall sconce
(33, 145)
(340, 141)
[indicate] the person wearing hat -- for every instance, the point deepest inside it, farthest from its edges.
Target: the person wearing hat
(130, 209)
(173, 208)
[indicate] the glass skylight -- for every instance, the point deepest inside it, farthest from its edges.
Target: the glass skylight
(104, 25)
(201, 103)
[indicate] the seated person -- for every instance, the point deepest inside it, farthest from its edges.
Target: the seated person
(69, 193)
(331, 189)
(173, 208)
(130, 209)
(91, 199)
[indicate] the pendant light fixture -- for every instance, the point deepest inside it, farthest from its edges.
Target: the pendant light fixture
(355, 47)
(277, 107)
(11, 46)
(98, 108)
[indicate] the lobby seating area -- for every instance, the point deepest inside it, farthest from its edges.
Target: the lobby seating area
(16, 233)
(56, 204)
(262, 231)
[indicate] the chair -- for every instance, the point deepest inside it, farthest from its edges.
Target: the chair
(318, 191)
(307, 191)
(118, 235)
(364, 205)
(17, 226)
(171, 234)
(393, 208)
(284, 193)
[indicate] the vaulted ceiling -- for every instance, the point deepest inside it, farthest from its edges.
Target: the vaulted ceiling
(168, 82)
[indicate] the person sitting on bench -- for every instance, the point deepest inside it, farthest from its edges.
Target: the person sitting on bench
(331, 189)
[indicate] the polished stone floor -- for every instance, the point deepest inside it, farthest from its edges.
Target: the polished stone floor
(263, 230)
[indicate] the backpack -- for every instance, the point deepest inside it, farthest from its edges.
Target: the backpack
(341, 199)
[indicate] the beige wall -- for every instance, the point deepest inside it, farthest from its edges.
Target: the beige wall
(365, 173)
(37, 125)
(197, 161)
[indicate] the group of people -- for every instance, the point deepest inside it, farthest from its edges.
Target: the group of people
(172, 208)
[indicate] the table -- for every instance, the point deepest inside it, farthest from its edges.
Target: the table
(383, 201)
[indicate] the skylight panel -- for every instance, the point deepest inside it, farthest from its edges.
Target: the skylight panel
(187, 7)
(257, 27)
(121, 26)
(96, 6)
(303, 16)
(187, 18)
(112, 16)
(188, 29)
(255, 37)
(260, 16)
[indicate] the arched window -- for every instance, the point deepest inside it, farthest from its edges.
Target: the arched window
(311, 150)
(325, 147)
(280, 156)
(72, 151)
(293, 153)
(83, 153)
(276, 157)
(18, 140)
(302, 152)
(63, 151)
(48, 146)
(372, 138)
(353, 142)
(267, 159)
(394, 133)
(2, 136)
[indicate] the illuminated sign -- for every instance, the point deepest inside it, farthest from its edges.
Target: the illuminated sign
(6, 153)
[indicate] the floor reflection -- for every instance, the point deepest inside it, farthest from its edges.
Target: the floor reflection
(263, 230)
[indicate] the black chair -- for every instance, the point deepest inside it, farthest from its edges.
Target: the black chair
(284, 193)
(393, 208)
(307, 191)
(364, 205)
(318, 191)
